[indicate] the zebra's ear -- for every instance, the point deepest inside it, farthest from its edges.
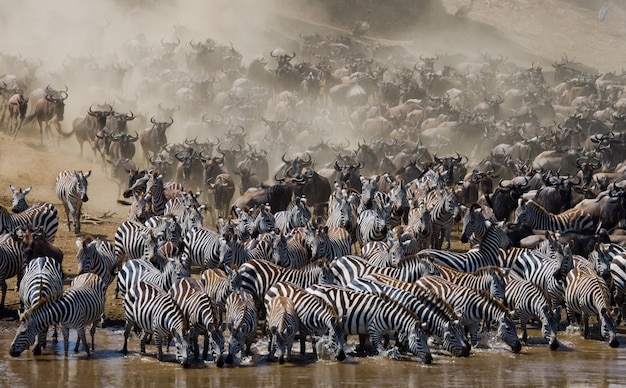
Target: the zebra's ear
(88, 174)
(79, 243)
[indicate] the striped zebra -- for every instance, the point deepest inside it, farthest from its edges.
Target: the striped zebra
(420, 224)
(347, 268)
(231, 250)
(218, 285)
(297, 214)
(375, 315)
(129, 242)
(134, 271)
(291, 251)
(43, 280)
(548, 273)
(202, 316)
(536, 216)
(487, 254)
(80, 305)
(257, 276)
(264, 221)
(155, 194)
(331, 242)
(241, 320)
(185, 210)
(588, 295)
(490, 279)
(282, 324)
(440, 319)
(42, 215)
(316, 317)
(528, 302)
(371, 226)
(476, 307)
(202, 247)
(399, 205)
(444, 208)
(71, 189)
(18, 199)
(11, 263)
(153, 311)
(383, 253)
(342, 212)
(97, 256)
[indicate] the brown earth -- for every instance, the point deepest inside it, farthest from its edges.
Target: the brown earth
(537, 29)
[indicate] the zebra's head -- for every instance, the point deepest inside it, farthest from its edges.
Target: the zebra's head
(550, 325)
(474, 223)
(454, 339)
(497, 284)
(508, 333)
(18, 201)
(26, 334)
(607, 327)
(601, 260)
(81, 184)
(418, 342)
(325, 272)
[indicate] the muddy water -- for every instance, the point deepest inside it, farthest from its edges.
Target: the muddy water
(577, 362)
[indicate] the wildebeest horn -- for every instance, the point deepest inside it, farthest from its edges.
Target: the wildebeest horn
(171, 121)
(153, 120)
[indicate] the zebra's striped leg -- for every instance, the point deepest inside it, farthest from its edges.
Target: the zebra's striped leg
(82, 337)
(586, 326)
(302, 339)
(3, 286)
(524, 332)
(159, 344)
(92, 331)
(67, 216)
(473, 331)
(127, 328)
(144, 339)
(66, 339)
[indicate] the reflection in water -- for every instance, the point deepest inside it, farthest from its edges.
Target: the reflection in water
(577, 362)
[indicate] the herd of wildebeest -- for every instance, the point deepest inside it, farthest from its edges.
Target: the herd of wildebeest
(310, 193)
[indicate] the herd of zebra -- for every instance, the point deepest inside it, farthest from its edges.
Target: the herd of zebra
(368, 269)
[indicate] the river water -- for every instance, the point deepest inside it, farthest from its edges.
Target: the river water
(578, 362)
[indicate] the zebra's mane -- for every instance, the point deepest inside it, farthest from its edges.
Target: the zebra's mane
(487, 295)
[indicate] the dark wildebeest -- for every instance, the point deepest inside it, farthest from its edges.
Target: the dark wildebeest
(153, 139)
(87, 126)
(50, 110)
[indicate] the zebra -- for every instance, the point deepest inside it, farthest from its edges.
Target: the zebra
(231, 250)
(71, 189)
(342, 212)
(153, 311)
(186, 210)
(43, 279)
(282, 323)
(257, 276)
(536, 216)
(241, 320)
(80, 305)
(586, 295)
(444, 208)
(18, 199)
(487, 254)
(420, 224)
(202, 316)
(347, 268)
(296, 214)
(399, 205)
(134, 271)
(476, 307)
(440, 319)
(202, 247)
(264, 221)
(529, 302)
(217, 284)
(331, 242)
(316, 317)
(291, 251)
(371, 226)
(97, 256)
(490, 279)
(546, 272)
(376, 315)
(43, 215)
(129, 241)
(11, 263)
(155, 194)
(383, 253)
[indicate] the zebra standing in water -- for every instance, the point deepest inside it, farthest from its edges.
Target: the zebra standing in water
(41, 215)
(316, 317)
(202, 316)
(80, 305)
(71, 189)
(43, 279)
(440, 319)
(282, 323)
(586, 295)
(376, 315)
(444, 210)
(529, 302)
(134, 271)
(476, 308)
(154, 311)
(241, 320)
